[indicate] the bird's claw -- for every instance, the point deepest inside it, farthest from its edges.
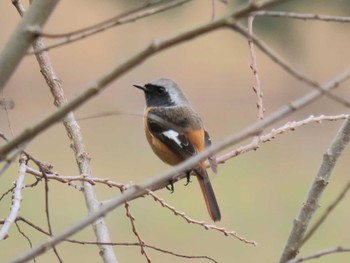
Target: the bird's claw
(170, 187)
(188, 177)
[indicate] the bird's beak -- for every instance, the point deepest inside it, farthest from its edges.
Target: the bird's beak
(140, 87)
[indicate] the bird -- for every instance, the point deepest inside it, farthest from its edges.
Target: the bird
(175, 132)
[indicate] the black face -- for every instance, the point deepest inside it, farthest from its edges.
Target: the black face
(156, 95)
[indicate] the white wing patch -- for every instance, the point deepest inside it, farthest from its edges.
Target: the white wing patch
(173, 135)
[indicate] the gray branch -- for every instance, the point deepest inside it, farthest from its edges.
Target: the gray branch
(311, 203)
(22, 37)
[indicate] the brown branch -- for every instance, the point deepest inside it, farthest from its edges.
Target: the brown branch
(148, 246)
(283, 63)
(25, 236)
(82, 178)
(112, 243)
(127, 17)
(254, 68)
(43, 169)
(200, 223)
(7, 192)
(134, 230)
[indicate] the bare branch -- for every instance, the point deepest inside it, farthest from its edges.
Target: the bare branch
(25, 236)
(254, 68)
(16, 199)
(81, 242)
(311, 203)
(318, 17)
(127, 17)
(200, 223)
(136, 233)
(21, 38)
(289, 126)
(47, 210)
(321, 254)
(328, 210)
(282, 63)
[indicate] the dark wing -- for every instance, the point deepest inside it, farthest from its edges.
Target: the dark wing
(211, 158)
(171, 132)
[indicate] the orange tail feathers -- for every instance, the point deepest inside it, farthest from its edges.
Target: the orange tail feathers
(208, 193)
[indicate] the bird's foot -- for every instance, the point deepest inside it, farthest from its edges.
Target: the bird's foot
(170, 187)
(188, 177)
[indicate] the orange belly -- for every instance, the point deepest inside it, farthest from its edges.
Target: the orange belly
(162, 151)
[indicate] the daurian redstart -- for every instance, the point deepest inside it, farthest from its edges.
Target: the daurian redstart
(175, 133)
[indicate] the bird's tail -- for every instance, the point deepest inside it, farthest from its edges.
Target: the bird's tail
(208, 193)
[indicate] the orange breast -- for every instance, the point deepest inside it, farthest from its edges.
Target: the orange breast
(161, 150)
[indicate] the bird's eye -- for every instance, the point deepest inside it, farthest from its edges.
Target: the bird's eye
(160, 90)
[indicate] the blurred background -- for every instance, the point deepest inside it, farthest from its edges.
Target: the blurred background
(260, 193)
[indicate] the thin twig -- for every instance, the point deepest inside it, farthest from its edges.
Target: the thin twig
(47, 209)
(311, 203)
(111, 21)
(289, 126)
(25, 236)
(200, 223)
(7, 192)
(254, 68)
(6, 106)
(82, 178)
(325, 18)
(114, 243)
(122, 19)
(150, 247)
(213, 9)
(238, 27)
(136, 233)
(16, 199)
(321, 254)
